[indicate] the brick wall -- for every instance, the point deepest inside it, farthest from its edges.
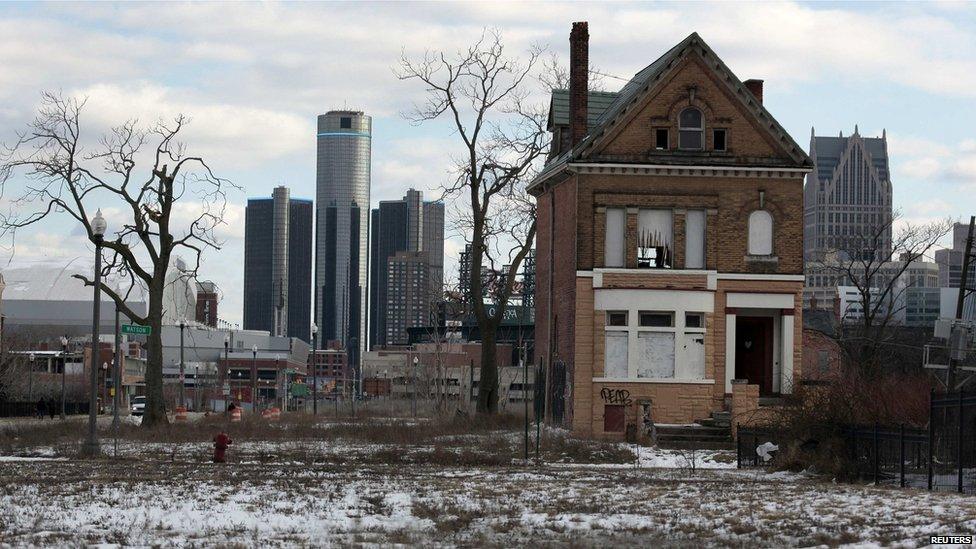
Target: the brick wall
(729, 200)
(557, 238)
(745, 137)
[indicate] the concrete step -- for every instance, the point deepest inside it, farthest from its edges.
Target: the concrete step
(716, 422)
(695, 429)
(696, 445)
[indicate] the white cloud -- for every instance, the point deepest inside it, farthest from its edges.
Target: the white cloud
(226, 135)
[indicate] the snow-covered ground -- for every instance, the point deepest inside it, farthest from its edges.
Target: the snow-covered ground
(144, 502)
(342, 483)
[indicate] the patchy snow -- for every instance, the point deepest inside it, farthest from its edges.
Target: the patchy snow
(147, 503)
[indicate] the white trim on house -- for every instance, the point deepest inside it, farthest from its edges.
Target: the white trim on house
(669, 381)
(760, 301)
(746, 276)
(611, 299)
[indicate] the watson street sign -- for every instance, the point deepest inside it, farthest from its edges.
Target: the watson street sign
(136, 329)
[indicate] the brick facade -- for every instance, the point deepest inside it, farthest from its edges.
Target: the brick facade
(619, 166)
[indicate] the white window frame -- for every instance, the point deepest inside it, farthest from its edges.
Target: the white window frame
(682, 370)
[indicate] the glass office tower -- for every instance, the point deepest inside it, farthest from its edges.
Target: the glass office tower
(342, 229)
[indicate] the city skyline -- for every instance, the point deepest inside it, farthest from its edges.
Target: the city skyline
(259, 134)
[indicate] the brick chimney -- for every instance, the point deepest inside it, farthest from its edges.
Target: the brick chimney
(579, 62)
(755, 87)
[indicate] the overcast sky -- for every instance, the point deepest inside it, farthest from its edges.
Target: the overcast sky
(253, 77)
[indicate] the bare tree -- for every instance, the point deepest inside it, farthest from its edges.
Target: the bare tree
(483, 92)
(880, 283)
(53, 173)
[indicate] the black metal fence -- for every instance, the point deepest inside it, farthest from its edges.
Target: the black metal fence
(941, 457)
(27, 409)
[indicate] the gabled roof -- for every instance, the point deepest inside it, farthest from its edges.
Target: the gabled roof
(597, 104)
(651, 76)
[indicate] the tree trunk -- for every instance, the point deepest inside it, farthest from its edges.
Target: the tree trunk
(155, 413)
(488, 384)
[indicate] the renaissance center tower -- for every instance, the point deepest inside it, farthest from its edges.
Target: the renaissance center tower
(341, 228)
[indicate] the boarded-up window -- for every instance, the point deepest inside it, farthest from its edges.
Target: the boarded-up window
(760, 233)
(613, 418)
(613, 249)
(694, 356)
(655, 354)
(615, 364)
(695, 239)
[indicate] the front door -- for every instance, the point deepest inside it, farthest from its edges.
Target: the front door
(754, 351)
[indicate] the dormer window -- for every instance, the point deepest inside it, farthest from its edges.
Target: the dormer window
(691, 129)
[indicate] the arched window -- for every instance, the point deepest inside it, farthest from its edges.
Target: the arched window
(691, 129)
(760, 233)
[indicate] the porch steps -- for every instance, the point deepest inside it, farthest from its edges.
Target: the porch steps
(696, 436)
(718, 419)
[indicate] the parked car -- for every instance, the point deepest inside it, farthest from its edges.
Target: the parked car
(138, 405)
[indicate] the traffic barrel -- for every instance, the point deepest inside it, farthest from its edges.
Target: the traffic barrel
(235, 415)
(180, 414)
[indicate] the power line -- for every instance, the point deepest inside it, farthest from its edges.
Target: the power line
(598, 73)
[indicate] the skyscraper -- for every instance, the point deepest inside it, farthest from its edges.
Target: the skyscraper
(847, 197)
(278, 265)
(342, 227)
(406, 225)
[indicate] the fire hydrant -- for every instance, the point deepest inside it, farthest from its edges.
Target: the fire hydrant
(221, 442)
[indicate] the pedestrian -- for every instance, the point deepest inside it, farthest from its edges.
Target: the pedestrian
(50, 407)
(221, 442)
(41, 408)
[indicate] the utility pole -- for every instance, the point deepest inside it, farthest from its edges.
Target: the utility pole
(957, 335)
(117, 379)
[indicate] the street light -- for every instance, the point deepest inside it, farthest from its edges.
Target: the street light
(279, 381)
(223, 371)
(416, 361)
(30, 379)
(254, 378)
(315, 369)
(182, 367)
(64, 368)
(97, 228)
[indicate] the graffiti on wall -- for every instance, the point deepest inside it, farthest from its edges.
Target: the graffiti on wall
(616, 396)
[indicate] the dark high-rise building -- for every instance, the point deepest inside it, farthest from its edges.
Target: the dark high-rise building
(342, 228)
(278, 265)
(389, 223)
(847, 197)
(407, 225)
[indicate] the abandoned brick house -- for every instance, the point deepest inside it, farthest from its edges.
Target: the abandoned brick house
(670, 244)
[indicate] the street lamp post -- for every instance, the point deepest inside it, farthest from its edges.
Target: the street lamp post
(30, 379)
(91, 448)
(279, 382)
(182, 367)
(254, 378)
(64, 368)
(223, 371)
(315, 369)
(117, 377)
(416, 361)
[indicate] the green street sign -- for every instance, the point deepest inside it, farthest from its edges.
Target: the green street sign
(136, 329)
